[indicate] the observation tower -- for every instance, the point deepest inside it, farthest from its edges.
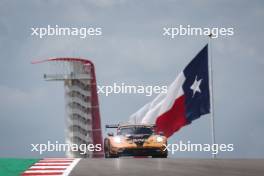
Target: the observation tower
(83, 123)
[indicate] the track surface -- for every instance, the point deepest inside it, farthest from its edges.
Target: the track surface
(167, 167)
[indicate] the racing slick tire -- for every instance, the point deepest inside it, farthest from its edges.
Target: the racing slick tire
(109, 155)
(107, 150)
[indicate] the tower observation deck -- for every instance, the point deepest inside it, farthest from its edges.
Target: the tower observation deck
(83, 123)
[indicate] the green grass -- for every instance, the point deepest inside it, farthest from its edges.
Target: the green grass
(14, 167)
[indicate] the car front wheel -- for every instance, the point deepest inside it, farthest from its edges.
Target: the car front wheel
(107, 151)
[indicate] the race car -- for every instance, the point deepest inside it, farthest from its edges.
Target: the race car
(135, 140)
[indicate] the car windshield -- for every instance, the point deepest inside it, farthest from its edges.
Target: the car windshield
(135, 130)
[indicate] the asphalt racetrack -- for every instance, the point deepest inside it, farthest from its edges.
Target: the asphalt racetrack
(169, 167)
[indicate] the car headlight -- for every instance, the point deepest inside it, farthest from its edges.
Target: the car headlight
(117, 139)
(159, 139)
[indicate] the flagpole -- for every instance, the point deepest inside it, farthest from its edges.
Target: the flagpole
(211, 93)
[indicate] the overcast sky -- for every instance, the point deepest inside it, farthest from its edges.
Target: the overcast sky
(131, 50)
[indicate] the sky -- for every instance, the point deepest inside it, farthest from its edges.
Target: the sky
(132, 50)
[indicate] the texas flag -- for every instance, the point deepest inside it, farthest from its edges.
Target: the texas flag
(187, 99)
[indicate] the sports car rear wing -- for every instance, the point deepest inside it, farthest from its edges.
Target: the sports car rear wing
(112, 126)
(117, 125)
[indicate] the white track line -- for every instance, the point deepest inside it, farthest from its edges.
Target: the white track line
(69, 169)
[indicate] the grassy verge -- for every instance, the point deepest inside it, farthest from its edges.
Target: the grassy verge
(14, 167)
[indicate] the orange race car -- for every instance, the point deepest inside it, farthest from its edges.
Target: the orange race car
(135, 140)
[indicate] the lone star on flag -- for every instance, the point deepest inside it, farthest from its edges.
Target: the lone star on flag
(196, 86)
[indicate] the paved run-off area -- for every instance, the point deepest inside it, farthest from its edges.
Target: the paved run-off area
(169, 167)
(12, 167)
(132, 166)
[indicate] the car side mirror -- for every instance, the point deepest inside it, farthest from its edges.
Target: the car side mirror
(161, 133)
(110, 134)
